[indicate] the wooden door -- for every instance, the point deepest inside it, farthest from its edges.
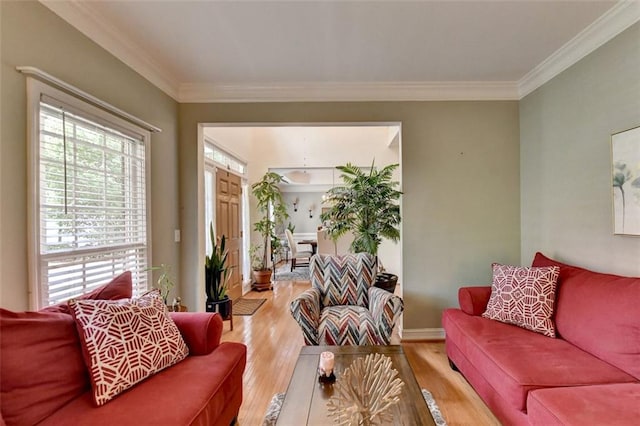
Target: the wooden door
(229, 224)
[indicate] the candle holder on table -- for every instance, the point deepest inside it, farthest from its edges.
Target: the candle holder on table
(325, 368)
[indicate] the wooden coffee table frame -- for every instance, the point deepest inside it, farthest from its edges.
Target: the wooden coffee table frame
(306, 399)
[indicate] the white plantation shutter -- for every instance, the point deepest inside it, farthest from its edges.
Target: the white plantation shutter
(92, 214)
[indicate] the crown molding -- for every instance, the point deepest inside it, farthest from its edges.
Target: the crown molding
(606, 27)
(345, 92)
(85, 20)
(81, 16)
(319, 188)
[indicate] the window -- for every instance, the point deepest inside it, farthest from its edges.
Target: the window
(214, 156)
(231, 163)
(89, 208)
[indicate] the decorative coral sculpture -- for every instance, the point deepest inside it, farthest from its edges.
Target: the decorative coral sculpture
(365, 392)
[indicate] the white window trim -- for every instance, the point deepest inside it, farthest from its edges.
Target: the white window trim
(35, 89)
(212, 166)
(212, 163)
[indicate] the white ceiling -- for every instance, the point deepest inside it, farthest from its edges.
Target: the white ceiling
(267, 50)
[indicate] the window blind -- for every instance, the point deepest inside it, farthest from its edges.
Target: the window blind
(93, 208)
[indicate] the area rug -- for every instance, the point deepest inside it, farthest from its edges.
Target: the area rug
(244, 306)
(271, 416)
(284, 273)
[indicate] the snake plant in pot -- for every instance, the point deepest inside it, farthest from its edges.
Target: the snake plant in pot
(217, 277)
(367, 205)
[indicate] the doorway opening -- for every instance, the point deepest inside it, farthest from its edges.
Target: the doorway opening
(224, 179)
(306, 156)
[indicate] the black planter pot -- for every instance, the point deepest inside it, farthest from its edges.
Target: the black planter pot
(223, 307)
(386, 281)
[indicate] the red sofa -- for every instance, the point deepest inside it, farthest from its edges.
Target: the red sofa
(44, 379)
(588, 375)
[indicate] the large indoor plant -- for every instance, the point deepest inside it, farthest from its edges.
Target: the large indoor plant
(273, 211)
(216, 277)
(367, 205)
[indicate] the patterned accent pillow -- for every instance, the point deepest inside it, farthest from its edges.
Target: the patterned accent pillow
(524, 297)
(126, 341)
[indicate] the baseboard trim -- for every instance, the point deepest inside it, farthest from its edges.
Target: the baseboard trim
(422, 334)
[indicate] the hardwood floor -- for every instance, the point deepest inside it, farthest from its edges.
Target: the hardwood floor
(273, 342)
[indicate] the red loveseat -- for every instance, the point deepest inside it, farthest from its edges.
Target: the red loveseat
(588, 375)
(44, 379)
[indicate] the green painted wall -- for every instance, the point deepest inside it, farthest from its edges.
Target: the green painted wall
(460, 166)
(460, 175)
(566, 183)
(32, 35)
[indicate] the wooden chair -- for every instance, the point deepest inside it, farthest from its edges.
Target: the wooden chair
(325, 244)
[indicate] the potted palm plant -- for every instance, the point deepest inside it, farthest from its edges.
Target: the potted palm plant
(217, 277)
(367, 205)
(273, 212)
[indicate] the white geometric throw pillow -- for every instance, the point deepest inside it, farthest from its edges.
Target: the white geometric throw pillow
(524, 297)
(125, 341)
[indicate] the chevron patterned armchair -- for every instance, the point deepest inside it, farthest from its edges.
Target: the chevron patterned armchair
(342, 307)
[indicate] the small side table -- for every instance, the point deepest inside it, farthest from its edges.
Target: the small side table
(230, 316)
(182, 309)
(216, 307)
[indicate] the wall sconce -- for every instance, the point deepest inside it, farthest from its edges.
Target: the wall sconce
(311, 212)
(295, 204)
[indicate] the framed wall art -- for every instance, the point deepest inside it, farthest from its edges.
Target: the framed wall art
(625, 162)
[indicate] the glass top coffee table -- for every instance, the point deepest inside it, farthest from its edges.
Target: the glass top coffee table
(306, 399)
